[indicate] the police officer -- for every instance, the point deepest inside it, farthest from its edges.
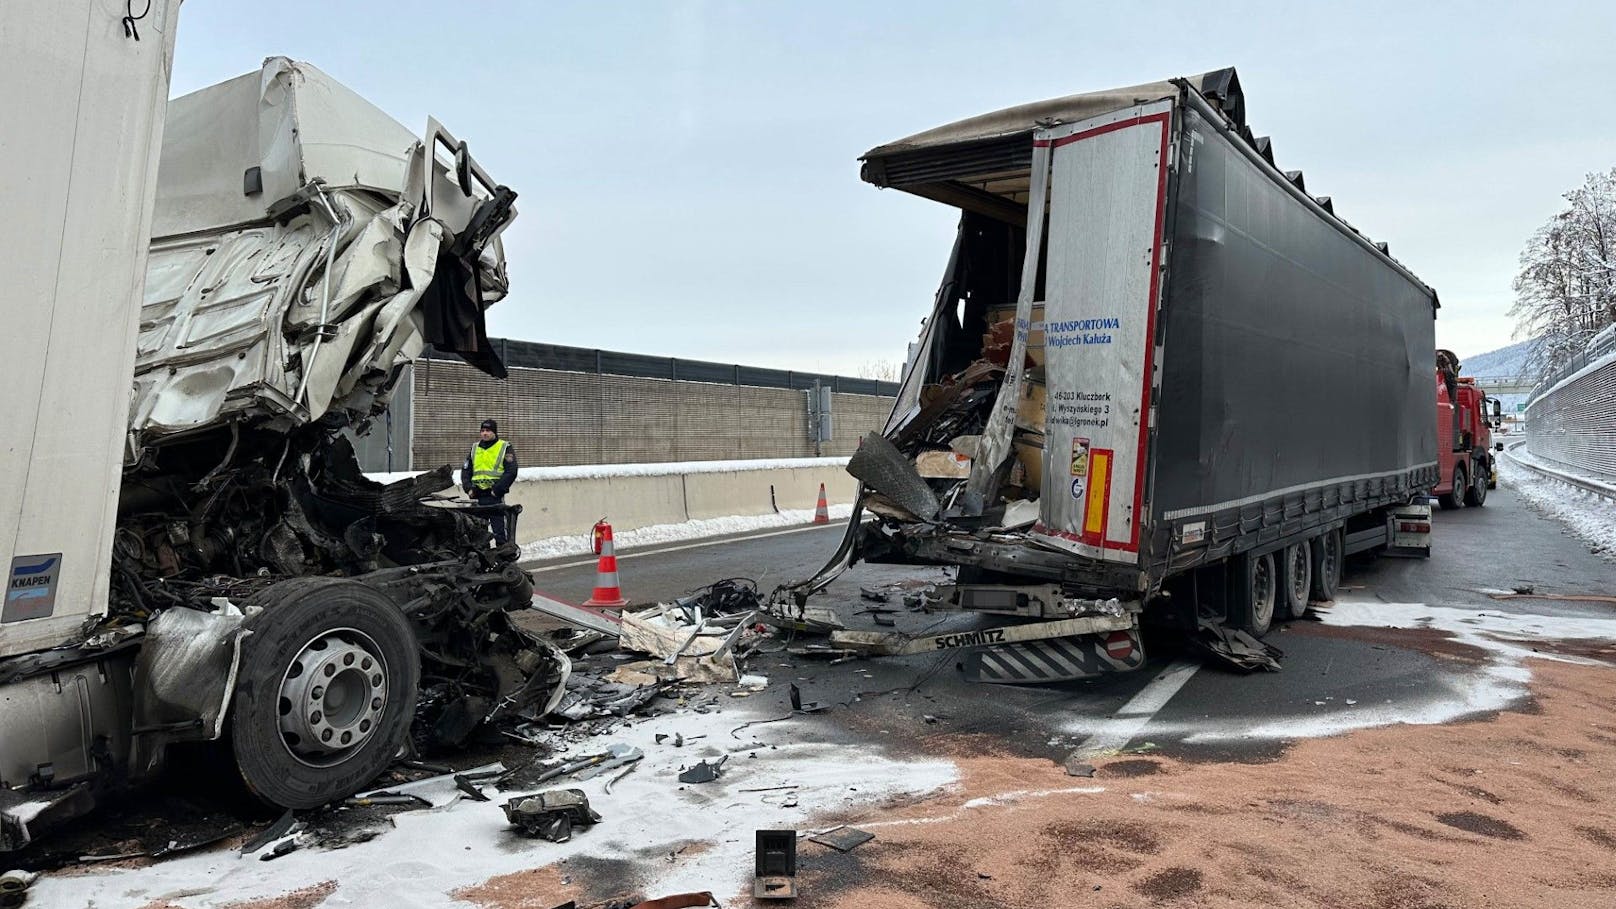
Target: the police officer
(488, 474)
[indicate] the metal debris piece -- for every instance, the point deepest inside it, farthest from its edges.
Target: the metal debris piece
(576, 616)
(1075, 766)
(703, 771)
(378, 801)
(775, 876)
(843, 839)
(14, 887)
(1236, 649)
(798, 706)
(437, 791)
(680, 901)
(281, 827)
(884, 620)
(620, 756)
(626, 771)
(873, 594)
(551, 815)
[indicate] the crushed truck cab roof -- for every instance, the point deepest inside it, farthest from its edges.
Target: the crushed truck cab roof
(304, 245)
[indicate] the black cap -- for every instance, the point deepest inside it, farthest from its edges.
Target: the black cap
(491, 426)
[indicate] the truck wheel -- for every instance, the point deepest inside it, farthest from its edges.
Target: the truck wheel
(1455, 498)
(1256, 594)
(325, 693)
(1295, 579)
(1476, 494)
(1328, 555)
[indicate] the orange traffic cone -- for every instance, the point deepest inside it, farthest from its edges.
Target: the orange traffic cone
(822, 510)
(607, 589)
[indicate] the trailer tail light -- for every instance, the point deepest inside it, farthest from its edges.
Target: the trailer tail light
(1413, 526)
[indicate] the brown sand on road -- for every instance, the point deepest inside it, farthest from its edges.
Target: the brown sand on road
(1514, 811)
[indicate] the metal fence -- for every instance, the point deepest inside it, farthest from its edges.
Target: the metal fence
(1601, 345)
(1572, 416)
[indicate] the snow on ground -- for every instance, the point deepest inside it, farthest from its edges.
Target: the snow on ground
(1589, 516)
(685, 530)
(649, 814)
(669, 468)
(1505, 638)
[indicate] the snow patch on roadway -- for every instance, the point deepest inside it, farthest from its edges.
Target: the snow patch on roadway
(1589, 516)
(648, 815)
(553, 547)
(1507, 639)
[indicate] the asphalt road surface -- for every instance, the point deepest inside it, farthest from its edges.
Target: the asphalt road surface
(1334, 678)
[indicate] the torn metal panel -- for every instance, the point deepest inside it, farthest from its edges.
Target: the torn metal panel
(184, 679)
(995, 444)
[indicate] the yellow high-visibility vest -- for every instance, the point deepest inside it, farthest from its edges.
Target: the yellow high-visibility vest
(487, 464)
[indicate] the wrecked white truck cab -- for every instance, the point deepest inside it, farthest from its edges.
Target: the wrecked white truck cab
(259, 590)
(304, 245)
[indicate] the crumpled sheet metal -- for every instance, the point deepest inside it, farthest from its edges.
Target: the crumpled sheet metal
(1236, 649)
(186, 673)
(552, 814)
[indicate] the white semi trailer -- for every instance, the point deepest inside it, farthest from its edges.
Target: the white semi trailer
(194, 321)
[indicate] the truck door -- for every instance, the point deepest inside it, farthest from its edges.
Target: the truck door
(1107, 202)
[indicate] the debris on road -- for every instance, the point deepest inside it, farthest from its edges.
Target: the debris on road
(14, 888)
(703, 771)
(680, 901)
(775, 872)
(1235, 649)
(440, 790)
(552, 814)
(843, 839)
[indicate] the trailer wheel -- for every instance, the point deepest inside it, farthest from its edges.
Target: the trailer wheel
(325, 693)
(1256, 594)
(1295, 579)
(1476, 494)
(1329, 550)
(1455, 497)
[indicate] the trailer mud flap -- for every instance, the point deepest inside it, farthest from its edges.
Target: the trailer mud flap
(1055, 659)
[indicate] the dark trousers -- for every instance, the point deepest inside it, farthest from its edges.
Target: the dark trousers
(496, 522)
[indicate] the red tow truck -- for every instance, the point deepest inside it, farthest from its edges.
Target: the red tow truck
(1464, 427)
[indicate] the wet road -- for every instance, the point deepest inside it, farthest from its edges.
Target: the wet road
(1450, 657)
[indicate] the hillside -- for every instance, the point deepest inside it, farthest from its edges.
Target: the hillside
(1505, 361)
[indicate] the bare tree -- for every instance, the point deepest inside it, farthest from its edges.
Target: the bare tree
(1565, 291)
(881, 370)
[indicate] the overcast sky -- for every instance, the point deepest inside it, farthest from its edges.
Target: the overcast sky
(688, 171)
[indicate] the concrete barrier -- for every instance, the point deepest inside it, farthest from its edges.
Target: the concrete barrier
(567, 501)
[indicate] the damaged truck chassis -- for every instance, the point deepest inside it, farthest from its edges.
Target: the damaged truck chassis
(260, 593)
(1160, 382)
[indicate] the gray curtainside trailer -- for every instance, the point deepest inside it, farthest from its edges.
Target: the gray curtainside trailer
(1160, 379)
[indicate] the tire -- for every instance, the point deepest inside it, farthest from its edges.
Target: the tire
(1476, 493)
(1256, 594)
(1295, 564)
(1329, 554)
(311, 630)
(1461, 483)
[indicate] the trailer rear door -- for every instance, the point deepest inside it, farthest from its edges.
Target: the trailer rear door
(1107, 203)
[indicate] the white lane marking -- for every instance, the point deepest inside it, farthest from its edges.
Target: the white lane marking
(1126, 723)
(649, 552)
